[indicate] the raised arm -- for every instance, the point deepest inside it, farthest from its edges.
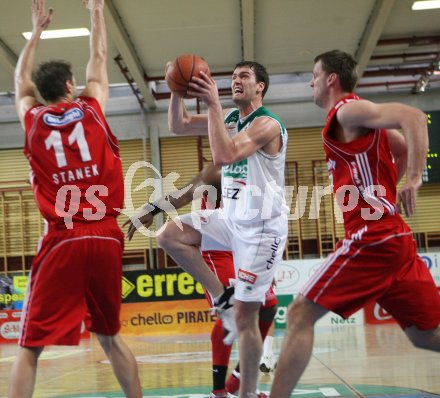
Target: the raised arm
(411, 121)
(210, 175)
(263, 133)
(181, 122)
(96, 72)
(25, 90)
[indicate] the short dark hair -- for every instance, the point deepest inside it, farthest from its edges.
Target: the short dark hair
(260, 71)
(341, 63)
(51, 77)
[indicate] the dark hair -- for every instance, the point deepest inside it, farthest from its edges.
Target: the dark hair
(260, 71)
(341, 63)
(51, 77)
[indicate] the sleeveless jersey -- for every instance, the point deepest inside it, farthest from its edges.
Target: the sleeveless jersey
(363, 173)
(253, 188)
(76, 172)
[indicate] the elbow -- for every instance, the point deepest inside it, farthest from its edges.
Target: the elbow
(19, 80)
(413, 117)
(218, 162)
(221, 160)
(422, 118)
(100, 56)
(175, 129)
(225, 156)
(417, 121)
(178, 127)
(419, 117)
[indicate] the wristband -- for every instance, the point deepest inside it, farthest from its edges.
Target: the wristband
(156, 209)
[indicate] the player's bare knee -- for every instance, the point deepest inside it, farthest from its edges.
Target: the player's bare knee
(34, 352)
(299, 314)
(167, 236)
(424, 339)
(246, 315)
(105, 341)
(419, 342)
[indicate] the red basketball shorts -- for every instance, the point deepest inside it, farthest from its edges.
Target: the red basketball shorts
(378, 263)
(74, 274)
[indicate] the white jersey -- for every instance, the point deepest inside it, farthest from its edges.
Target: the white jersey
(253, 188)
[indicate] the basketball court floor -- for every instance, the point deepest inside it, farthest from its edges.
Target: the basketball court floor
(348, 361)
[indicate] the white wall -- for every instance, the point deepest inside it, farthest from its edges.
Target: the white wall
(125, 119)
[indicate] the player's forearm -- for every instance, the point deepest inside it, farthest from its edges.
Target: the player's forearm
(401, 165)
(23, 71)
(177, 199)
(222, 145)
(398, 149)
(176, 115)
(98, 36)
(415, 130)
(208, 177)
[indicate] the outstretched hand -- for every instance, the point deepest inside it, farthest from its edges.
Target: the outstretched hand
(40, 18)
(137, 221)
(205, 88)
(406, 197)
(92, 4)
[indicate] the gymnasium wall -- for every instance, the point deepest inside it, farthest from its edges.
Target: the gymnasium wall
(21, 224)
(126, 120)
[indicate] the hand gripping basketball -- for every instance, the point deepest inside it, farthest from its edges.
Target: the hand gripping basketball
(180, 71)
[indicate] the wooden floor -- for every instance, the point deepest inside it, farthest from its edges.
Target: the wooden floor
(349, 361)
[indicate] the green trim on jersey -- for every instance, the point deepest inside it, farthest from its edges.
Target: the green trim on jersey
(239, 170)
(234, 117)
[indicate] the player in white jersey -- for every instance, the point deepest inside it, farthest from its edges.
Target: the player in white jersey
(250, 143)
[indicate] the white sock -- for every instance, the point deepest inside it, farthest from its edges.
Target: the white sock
(267, 346)
(216, 299)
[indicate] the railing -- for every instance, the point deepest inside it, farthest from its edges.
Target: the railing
(294, 247)
(325, 219)
(21, 227)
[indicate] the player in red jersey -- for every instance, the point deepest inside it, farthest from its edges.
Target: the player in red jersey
(377, 259)
(77, 181)
(221, 264)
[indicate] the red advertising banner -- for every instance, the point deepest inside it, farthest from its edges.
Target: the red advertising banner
(375, 314)
(9, 326)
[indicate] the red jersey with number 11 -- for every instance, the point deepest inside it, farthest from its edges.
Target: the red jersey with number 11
(76, 172)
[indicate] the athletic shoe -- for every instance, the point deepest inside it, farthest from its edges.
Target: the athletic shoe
(219, 394)
(259, 394)
(225, 310)
(268, 363)
(233, 383)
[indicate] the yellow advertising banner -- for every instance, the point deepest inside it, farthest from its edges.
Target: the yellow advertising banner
(167, 317)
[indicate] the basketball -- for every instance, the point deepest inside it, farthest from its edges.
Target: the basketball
(180, 71)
